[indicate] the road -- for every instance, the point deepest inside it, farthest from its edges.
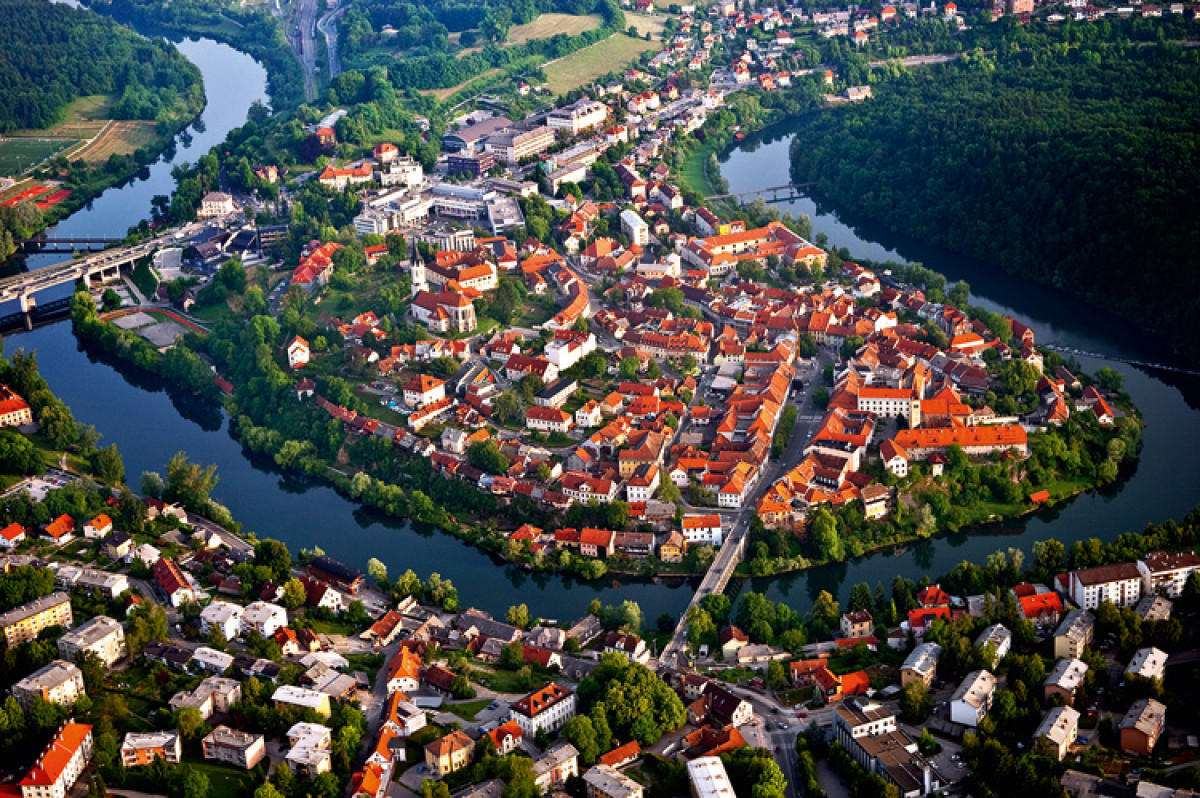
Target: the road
(329, 29)
(732, 549)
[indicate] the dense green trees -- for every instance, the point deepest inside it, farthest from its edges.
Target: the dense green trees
(54, 53)
(636, 704)
(1060, 157)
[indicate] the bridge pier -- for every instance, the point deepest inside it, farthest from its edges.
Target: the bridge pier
(27, 302)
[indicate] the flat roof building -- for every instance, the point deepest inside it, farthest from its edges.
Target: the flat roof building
(25, 623)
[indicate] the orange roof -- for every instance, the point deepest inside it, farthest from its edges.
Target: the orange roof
(1040, 497)
(1040, 604)
(60, 526)
(101, 521)
(701, 521)
(12, 531)
(53, 761)
(856, 683)
(867, 392)
(621, 754)
(504, 731)
(405, 664)
(1001, 435)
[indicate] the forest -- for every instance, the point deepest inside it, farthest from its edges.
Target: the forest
(54, 53)
(1067, 160)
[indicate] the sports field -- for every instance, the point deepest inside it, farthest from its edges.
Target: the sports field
(548, 25)
(583, 66)
(18, 155)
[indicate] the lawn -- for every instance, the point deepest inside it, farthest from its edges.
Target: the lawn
(20, 155)
(548, 25)
(223, 781)
(503, 681)
(468, 709)
(693, 175)
(82, 119)
(584, 66)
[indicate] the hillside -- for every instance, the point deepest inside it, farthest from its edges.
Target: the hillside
(53, 53)
(1074, 166)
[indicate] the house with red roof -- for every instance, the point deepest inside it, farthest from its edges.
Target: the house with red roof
(933, 596)
(12, 535)
(60, 530)
(507, 737)
(1044, 609)
(60, 764)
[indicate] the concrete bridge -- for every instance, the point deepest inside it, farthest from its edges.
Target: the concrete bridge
(95, 269)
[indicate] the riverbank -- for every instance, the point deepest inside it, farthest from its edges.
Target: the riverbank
(70, 147)
(249, 30)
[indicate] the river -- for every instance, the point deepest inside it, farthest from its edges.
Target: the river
(149, 425)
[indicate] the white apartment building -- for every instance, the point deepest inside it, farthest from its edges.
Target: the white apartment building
(890, 402)
(57, 683)
(1167, 572)
(546, 710)
(60, 764)
(1000, 638)
(1119, 584)
(578, 116)
(102, 636)
(222, 615)
(1057, 731)
(264, 617)
(635, 227)
(973, 698)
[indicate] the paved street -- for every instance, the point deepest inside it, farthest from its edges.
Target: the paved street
(732, 551)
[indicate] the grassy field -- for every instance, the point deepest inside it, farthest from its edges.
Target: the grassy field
(119, 138)
(223, 781)
(646, 24)
(21, 154)
(584, 66)
(548, 25)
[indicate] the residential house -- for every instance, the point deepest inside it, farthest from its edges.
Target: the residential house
(139, 749)
(606, 782)
(1074, 634)
(857, 624)
(999, 638)
(552, 769)
(240, 749)
(1064, 680)
(449, 753)
(1148, 663)
(59, 683)
(921, 664)
(1142, 725)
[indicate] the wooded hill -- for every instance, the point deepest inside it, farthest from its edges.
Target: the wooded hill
(1072, 165)
(51, 54)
